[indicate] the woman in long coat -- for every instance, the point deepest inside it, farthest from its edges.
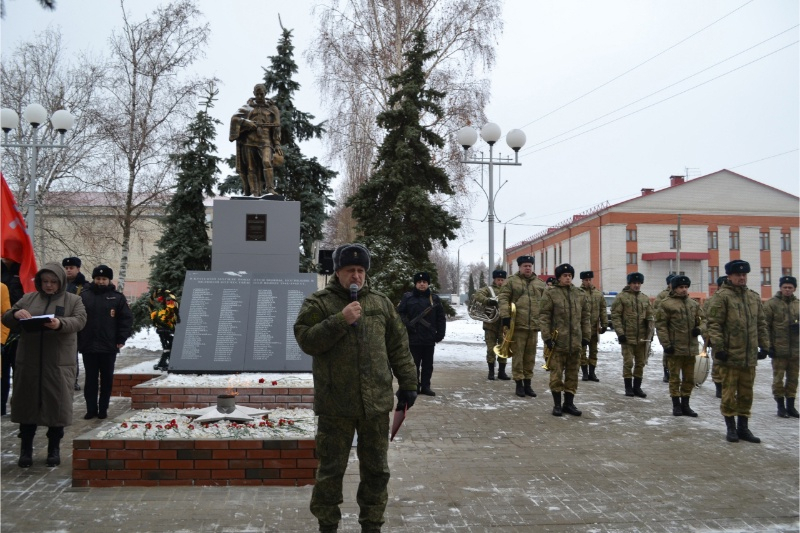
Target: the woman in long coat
(45, 367)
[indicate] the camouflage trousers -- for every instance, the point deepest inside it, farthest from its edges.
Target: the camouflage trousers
(634, 359)
(788, 369)
(334, 440)
(564, 371)
(523, 349)
(491, 337)
(592, 348)
(737, 390)
(716, 375)
(681, 375)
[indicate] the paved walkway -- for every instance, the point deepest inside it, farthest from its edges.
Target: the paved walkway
(476, 458)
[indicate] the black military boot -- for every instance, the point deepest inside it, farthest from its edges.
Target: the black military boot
(685, 407)
(585, 371)
(329, 529)
(730, 424)
(790, 410)
(637, 388)
(556, 403)
(490, 377)
(26, 452)
(781, 408)
(163, 362)
(569, 405)
(666, 375)
(592, 375)
(501, 372)
(718, 386)
(676, 406)
(520, 389)
(527, 388)
(53, 452)
(744, 433)
(628, 386)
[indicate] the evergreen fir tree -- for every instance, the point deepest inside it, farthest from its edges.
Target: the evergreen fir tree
(184, 244)
(395, 208)
(481, 281)
(471, 288)
(299, 179)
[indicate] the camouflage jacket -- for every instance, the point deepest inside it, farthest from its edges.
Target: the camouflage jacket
(780, 314)
(565, 308)
(597, 308)
(353, 365)
(525, 293)
(630, 314)
(482, 296)
(676, 317)
(736, 325)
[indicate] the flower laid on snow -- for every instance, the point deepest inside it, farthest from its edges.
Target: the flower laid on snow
(262, 380)
(274, 382)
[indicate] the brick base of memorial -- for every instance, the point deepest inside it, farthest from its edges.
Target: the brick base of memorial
(146, 396)
(123, 383)
(120, 462)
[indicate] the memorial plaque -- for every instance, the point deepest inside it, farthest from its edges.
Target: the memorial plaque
(256, 228)
(240, 322)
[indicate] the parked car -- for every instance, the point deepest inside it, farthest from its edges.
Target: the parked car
(610, 296)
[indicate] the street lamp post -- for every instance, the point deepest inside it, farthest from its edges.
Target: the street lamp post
(490, 133)
(504, 233)
(35, 115)
(458, 268)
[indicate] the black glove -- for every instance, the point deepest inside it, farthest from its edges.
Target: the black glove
(622, 339)
(584, 342)
(550, 343)
(492, 302)
(721, 356)
(602, 330)
(507, 322)
(762, 353)
(696, 332)
(771, 352)
(795, 327)
(669, 350)
(406, 399)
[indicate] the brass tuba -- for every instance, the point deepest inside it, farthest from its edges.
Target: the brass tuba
(548, 352)
(503, 350)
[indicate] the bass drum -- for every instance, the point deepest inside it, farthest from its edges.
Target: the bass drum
(701, 364)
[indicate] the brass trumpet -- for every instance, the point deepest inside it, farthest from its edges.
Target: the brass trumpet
(548, 352)
(503, 350)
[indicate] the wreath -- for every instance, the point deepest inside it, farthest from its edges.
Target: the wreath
(164, 309)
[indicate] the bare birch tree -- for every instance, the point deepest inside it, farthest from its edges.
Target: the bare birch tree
(361, 43)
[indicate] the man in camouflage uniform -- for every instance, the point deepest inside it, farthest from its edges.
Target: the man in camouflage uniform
(492, 331)
(356, 345)
(678, 322)
(715, 372)
(781, 312)
(663, 295)
(523, 289)
(597, 320)
(738, 331)
(631, 315)
(565, 308)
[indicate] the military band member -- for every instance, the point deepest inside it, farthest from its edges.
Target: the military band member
(523, 289)
(678, 321)
(492, 331)
(663, 295)
(631, 314)
(597, 319)
(781, 312)
(565, 308)
(738, 331)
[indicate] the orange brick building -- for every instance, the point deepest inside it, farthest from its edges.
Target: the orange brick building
(693, 227)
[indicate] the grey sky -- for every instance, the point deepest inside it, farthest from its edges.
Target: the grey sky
(563, 68)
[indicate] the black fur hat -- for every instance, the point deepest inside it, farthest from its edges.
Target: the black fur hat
(499, 274)
(422, 276)
(721, 280)
(670, 278)
(551, 279)
(587, 274)
(566, 268)
(677, 281)
(102, 271)
(635, 277)
(788, 279)
(737, 266)
(71, 261)
(351, 254)
(525, 259)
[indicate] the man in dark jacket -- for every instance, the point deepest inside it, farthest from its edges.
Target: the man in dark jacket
(358, 343)
(75, 282)
(423, 315)
(108, 326)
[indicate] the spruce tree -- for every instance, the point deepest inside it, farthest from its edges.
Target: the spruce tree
(299, 179)
(396, 208)
(481, 281)
(184, 243)
(471, 288)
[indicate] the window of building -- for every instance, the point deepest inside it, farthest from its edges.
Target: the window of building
(713, 243)
(630, 235)
(786, 242)
(766, 276)
(786, 271)
(734, 240)
(673, 239)
(713, 274)
(630, 258)
(763, 240)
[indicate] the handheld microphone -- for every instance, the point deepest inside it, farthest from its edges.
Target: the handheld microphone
(354, 298)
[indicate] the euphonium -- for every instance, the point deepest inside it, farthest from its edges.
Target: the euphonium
(483, 312)
(548, 352)
(503, 350)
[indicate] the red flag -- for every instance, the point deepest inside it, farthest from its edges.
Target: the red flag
(16, 243)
